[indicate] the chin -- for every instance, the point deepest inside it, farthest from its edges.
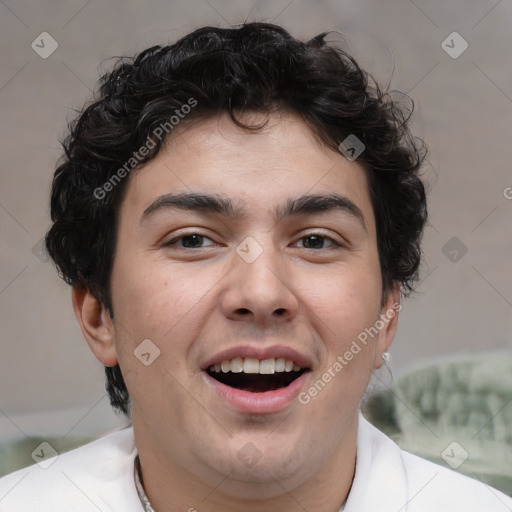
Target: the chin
(256, 485)
(270, 475)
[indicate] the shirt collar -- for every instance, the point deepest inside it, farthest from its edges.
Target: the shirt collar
(380, 481)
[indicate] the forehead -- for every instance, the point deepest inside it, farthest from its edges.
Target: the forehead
(258, 169)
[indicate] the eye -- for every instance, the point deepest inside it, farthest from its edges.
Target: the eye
(317, 241)
(190, 241)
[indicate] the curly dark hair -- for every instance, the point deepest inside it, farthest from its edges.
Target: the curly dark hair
(257, 67)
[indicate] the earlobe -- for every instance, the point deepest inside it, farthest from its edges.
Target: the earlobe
(96, 325)
(389, 318)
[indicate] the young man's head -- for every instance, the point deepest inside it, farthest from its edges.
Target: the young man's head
(238, 214)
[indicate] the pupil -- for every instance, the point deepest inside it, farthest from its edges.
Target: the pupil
(316, 241)
(195, 240)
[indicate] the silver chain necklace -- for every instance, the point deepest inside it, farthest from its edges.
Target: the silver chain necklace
(140, 489)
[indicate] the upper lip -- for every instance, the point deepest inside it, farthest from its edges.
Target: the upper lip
(260, 353)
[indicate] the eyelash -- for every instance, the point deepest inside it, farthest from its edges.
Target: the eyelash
(174, 241)
(185, 235)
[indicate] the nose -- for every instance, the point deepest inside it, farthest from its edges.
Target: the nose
(259, 292)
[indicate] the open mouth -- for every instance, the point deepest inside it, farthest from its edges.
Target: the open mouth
(253, 375)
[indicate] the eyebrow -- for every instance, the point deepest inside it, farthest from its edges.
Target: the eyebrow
(211, 203)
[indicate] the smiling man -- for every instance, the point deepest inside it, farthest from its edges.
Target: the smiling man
(233, 213)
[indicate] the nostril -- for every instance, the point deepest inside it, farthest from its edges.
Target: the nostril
(243, 311)
(280, 311)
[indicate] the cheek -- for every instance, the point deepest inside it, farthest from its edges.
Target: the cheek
(341, 305)
(167, 304)
(342, 308)
(151, 304)
(153, 298)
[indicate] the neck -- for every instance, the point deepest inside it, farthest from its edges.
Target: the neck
(171, 486)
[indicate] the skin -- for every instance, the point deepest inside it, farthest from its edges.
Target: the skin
(194, 302)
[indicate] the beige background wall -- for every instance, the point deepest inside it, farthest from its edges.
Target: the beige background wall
(49, 381)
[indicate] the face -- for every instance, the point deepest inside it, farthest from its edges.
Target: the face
(249, 261)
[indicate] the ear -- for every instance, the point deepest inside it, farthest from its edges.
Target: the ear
(389, 318)
(96, 325)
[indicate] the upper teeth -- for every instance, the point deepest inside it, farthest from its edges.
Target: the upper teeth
(252, 365)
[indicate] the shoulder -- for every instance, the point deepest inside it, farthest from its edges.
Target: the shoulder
(98, 475)
(389, 477)
(442, 489)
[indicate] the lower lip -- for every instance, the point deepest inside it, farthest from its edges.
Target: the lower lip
(257, 403)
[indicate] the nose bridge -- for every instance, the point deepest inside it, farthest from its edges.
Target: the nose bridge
(258, 288)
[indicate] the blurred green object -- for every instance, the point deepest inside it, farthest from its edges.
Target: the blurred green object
(18, 454)
(455, 411)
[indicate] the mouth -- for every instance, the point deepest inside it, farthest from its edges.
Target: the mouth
(256, 376)
(256, 380)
